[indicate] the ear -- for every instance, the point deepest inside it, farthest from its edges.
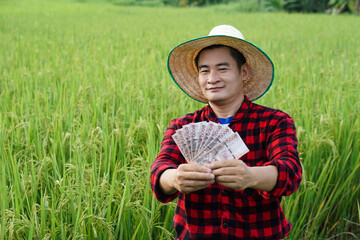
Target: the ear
(245, 71)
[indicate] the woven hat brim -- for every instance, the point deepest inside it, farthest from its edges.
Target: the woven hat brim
(182, 68)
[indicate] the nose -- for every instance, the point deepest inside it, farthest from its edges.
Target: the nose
(213, 77)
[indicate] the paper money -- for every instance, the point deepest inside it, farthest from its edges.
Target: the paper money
(205, 142)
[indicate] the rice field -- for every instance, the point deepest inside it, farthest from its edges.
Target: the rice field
(85, 98)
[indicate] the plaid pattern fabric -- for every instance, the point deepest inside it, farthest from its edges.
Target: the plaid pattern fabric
(218, 212)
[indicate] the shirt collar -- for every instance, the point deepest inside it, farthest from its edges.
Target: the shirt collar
(238, 115)
(242, 110)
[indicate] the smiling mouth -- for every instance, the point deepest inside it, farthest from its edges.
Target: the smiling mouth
(214, 88)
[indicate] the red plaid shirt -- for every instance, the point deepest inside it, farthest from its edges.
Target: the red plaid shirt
(217, 212)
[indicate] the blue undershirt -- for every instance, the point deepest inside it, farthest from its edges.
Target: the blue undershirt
(225, 120)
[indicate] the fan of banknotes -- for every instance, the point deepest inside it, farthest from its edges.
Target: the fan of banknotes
(205, 142)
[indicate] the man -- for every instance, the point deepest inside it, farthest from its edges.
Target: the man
(229, 199)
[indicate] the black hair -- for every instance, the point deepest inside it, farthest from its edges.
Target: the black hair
(235, 54)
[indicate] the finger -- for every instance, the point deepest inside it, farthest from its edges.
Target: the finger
(192, 186)
(197, 176)
(198, 168)
(228, 179)
(223, 163)
(197, 184)
(194, 168)
(227, 171)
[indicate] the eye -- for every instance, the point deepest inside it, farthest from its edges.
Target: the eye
(204, 71)
(222, 69)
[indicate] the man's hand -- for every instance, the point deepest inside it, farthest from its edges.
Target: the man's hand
(232, 174)
(237, 175)
(186, 178)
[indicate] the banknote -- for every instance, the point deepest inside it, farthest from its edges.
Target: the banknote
(205, 142)
(180, 141)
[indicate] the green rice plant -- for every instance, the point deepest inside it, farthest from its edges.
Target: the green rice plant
(85, 99)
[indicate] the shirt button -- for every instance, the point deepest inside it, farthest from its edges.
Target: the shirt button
(225, 225)
(223, 192)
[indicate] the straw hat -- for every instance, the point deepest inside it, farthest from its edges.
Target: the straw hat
(183, 70)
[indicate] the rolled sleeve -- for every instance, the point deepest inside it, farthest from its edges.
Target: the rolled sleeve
(282, 153)
(158, 168)
(170, 157)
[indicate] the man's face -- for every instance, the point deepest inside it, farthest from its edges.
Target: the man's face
(220, 80)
